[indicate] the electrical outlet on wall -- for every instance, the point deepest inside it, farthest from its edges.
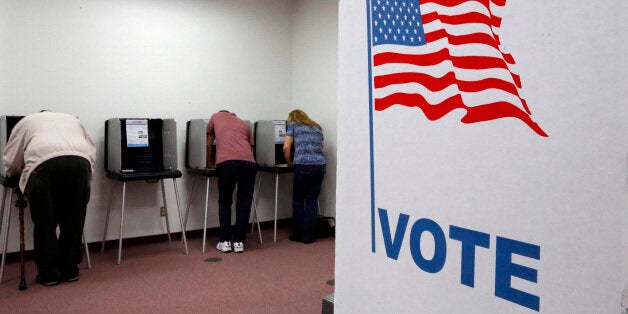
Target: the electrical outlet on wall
(162, 211)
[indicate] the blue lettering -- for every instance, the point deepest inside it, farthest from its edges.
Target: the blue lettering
(505, 269)
(393, 247)
(469, 239)
(505, 248)
(440, 245)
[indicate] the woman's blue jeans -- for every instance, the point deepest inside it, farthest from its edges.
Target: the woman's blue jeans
(307, 183)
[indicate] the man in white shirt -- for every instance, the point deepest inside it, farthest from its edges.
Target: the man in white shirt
(54, 156)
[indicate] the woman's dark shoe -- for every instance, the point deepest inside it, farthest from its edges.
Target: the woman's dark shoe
(306, 241)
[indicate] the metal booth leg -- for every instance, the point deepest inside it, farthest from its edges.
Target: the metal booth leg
(205, 218)
(89, 261)
(121, 223)
(187, 211)
(4, 201)
(8, 223)
(276, 193)
(163, 196)
(256, 221)
(255, 217)
(104, 234)
(258, 178)
(176, 194)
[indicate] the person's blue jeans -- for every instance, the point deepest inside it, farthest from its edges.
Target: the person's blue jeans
(230, 174)
(307, 183)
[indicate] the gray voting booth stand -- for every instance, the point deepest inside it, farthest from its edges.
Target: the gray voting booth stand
(196, 164)
(269, 139)
(141, 150)
(10, 187)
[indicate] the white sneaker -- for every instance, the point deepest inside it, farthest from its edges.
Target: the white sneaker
(238, 247)
(224, 247)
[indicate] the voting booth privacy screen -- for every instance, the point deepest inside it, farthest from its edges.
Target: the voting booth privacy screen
(269, 138)
(195, 144)
(140, 145)
(6, 126)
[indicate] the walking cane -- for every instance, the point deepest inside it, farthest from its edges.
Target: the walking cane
(21, 204)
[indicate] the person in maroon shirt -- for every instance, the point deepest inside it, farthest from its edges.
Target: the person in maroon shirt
(235, 165)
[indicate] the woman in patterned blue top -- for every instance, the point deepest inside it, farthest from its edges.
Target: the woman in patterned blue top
(309, 170)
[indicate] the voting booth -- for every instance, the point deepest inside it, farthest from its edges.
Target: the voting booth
(269, 138)
(196, 164)
(141, 149)
(141, 146)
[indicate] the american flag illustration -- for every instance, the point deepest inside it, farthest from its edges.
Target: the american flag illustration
(442, 55)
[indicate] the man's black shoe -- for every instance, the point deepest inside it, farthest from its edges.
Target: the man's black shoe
(47, 279)
(71, 274)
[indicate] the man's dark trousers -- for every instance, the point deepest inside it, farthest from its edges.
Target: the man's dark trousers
(230, 174)
(58, 191)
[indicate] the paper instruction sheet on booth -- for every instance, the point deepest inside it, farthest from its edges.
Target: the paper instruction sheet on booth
(137, 133)
(280, 131)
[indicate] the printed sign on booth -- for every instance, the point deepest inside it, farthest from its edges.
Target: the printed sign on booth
(437, 57)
